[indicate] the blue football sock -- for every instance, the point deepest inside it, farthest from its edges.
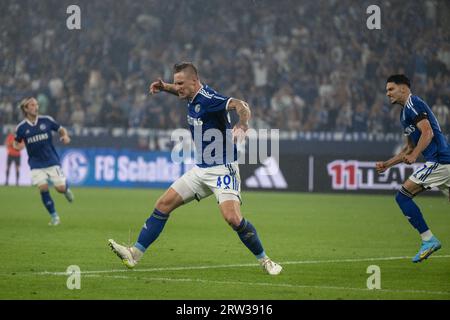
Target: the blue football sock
(48, 203)
(151, 230)
(247, 233)
(411, 210)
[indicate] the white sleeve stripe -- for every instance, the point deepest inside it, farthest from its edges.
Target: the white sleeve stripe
(414, 111)
(20, 123)
(228, 102)
(205, 95)
(410, 105)
(203, 91)
(48, 117)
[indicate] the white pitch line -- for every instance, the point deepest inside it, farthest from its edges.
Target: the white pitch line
(234, 265)
(265, 284)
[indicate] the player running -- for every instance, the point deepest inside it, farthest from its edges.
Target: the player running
(35, 132)
(219, 175)
(424, 136)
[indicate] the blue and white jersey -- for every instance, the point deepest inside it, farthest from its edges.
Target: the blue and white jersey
(415, 110)
(208, 110)
(38, 141)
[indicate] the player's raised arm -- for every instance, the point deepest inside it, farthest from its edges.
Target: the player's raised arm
(407, 149)
(159, 85)
(243, 110)
(63, 135)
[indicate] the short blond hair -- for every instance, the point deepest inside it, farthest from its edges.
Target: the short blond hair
(24, 103)
(185, 65)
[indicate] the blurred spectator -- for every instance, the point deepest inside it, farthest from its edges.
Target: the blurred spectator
(376, 118)
(442, 113)
(359, 123)
(302, 65)
(63, 114)
(78, 116)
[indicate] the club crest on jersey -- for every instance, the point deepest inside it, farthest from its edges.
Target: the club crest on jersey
(409, 130)
(197, 108)
(42, 127)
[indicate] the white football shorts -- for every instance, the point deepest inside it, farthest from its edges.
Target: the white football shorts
(42, 176)
(431, 175)
(198, 183)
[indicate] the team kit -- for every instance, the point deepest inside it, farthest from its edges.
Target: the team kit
(219, 174)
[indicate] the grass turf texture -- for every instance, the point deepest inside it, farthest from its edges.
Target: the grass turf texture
(309, 234)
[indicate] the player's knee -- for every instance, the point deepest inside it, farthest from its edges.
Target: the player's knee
(43, 188)
(164, 204)
(232, 218)
(61, 189)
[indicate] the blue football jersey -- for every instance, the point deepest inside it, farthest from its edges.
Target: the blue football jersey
(208, 111)
(38, 141)
(415, 110)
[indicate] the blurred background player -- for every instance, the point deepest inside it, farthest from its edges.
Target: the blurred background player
(13, 156)
(424, 136)
(36, 133)
(219, 175)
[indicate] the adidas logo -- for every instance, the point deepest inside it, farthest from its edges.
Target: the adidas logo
(269, 176)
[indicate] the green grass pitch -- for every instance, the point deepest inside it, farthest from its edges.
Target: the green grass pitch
(324, 242)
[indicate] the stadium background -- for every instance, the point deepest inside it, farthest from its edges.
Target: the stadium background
(311, 69)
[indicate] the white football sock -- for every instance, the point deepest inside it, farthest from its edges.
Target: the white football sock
(136, 253)
(426, 236)
(263, 259)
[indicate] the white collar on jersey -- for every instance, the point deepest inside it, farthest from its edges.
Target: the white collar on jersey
(31, 123)
(201, 87)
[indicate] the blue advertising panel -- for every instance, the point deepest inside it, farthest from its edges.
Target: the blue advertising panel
(120, 168)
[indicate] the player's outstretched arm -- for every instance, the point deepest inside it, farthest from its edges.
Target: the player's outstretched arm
(63, 135)
(407, 149)
(159, 85)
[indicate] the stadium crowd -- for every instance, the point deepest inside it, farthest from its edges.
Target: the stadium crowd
(302, 65)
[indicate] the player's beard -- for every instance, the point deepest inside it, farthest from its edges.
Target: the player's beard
(393, 101)
(32, 116)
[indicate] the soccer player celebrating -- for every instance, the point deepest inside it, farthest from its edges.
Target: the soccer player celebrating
(35, 132)
(424, 136)
(206, 110)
